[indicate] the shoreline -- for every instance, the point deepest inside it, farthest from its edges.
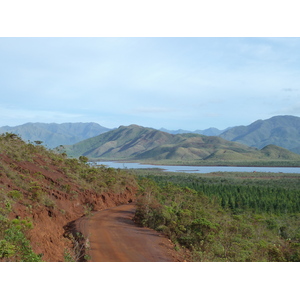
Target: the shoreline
(197, 165)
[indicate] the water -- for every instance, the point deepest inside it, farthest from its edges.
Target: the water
(198, 169)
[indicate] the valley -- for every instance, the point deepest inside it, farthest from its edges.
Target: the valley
(53, 201)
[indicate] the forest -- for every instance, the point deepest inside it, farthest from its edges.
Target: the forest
(224, 216)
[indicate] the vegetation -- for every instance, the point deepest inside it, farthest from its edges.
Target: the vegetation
(213, 217)
(149, 145)
(221, 217)
(282, 131)
(14, 245)
(53, 135)
(33, 179)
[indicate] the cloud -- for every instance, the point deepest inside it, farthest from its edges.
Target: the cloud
(147, 80)
(290, 90)
(288, 110)
(13, 117)
(153, 110)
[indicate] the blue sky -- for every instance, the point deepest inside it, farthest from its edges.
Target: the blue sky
(187, 83)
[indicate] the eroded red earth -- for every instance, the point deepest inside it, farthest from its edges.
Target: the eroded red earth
(112, 234)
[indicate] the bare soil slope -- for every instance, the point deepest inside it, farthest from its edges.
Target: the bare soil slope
(51, 195)
(51, 192)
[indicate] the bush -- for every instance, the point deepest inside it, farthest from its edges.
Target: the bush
(14, 194)
(15, 246)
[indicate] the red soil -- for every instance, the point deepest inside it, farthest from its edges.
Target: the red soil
(114, 237)
(48, 236)
(53, 223)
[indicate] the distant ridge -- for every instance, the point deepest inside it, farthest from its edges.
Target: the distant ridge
(282, 131)
(53, 135)
(212, 131)
(146, 144)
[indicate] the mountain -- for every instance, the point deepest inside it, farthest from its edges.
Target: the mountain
(210, 131)
(53, 135)
(282, 131)
(124, 142)
(139, 143)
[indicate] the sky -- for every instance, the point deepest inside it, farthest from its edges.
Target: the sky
(172, 82)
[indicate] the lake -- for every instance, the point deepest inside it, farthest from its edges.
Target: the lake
(198, 169)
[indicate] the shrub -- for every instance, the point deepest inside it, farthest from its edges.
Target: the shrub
(15, 194)
(7, 249)
(15, 246)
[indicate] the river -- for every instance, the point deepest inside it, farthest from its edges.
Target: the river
(199, 169)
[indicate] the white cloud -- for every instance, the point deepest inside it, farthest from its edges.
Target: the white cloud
(13, 117)
(290, 90)
(118, 80)
(288, 110)
(153, 110)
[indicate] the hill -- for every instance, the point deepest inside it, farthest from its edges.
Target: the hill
(122, 143)
(146, 144)
(43, 193)
(53, 135)
(283, 131)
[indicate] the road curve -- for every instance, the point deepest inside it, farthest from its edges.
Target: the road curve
(114, 237)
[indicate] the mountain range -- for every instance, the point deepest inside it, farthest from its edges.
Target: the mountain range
(282, 131)
(212, 131)
(146, 144)
(53, 135)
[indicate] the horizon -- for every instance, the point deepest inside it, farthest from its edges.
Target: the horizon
(178, 83)
(160, 128)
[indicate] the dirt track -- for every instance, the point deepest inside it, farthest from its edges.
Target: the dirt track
(114, 237)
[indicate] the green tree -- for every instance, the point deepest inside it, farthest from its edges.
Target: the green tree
(83, 159)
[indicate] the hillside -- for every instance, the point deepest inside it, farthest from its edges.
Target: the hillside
(53, 135)
(139, 143)
(282, 131)
(43, 193)
(122, 143)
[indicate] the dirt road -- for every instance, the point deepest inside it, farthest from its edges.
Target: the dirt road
(114, 237)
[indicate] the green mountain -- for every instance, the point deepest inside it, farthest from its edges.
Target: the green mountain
(283, 131)
(53, 135)
(122, 143)
(146, 144)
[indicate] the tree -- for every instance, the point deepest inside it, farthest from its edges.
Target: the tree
(83, 159)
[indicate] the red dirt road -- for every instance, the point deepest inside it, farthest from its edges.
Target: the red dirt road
(114, 237)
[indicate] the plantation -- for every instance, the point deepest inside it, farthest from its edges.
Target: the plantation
(224, 217)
